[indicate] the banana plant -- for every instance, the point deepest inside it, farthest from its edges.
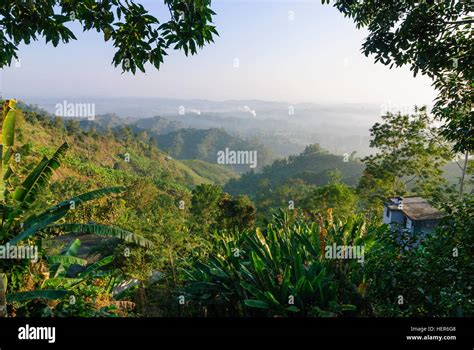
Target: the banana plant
(6, 143)
(62, 281)
(18, 224)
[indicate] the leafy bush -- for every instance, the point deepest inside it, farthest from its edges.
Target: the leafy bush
(282, 271)
(433, 279)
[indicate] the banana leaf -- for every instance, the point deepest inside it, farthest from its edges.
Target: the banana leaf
(26, 193)
(102, 230)
(8, 126)
(95, 266)
(38, 222)
(60, 282)
(256, 304)
(66, 260)
(47, 294)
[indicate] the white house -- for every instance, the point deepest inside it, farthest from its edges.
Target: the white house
(414, 214)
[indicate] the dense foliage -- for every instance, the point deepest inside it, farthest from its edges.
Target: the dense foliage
(433, 38)
(282, 271)
(137, 36)
(214, 254)
(204, 145)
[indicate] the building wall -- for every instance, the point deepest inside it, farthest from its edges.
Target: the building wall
(396, 217)
(386, 215)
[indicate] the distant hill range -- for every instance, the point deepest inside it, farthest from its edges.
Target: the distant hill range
(339, 128)
(98, 152)
(313, 166)
(156, 125)
(185, 143)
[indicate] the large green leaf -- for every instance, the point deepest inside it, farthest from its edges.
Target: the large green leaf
(64, 206)
(255, 292)
(38, 222)
(95, 266)
(8, 126)
(102, 230)
(73, 248)
(8, 172)
(66, 260)
(7, 139)
(47, 294)
(271, 299)
(26, 193)
(60, 282)
(256, 304)
(41, 223)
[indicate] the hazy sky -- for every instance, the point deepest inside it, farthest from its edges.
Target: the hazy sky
(292, 51)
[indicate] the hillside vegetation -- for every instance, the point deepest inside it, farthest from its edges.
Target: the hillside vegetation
(205, 144)
(111, 156)
(162, 239)
(312, 167)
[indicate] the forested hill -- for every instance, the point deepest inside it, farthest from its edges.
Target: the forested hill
(102, 156)
(205, 144)
(157, 125)
(313, 166)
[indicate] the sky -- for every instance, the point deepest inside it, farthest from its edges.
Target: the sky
(290, 51)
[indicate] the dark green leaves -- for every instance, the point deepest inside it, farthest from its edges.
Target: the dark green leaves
(281, 271)
(138, 36)
(433, 38)
(37, 294)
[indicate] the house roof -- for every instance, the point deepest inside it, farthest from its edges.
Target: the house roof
(416, 208)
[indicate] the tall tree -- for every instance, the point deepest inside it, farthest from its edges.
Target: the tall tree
(205, 205)
(410, 155)
(336, 195)
(432, 37)
(237, 213)
(138, 37)
(466, 169)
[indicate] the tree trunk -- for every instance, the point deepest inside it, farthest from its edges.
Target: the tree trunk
(3, 297)
(140, 298)
(463, 176)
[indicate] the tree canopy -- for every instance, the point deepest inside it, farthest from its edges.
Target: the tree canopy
(410, 154)
(137, 36)
(432, 37)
